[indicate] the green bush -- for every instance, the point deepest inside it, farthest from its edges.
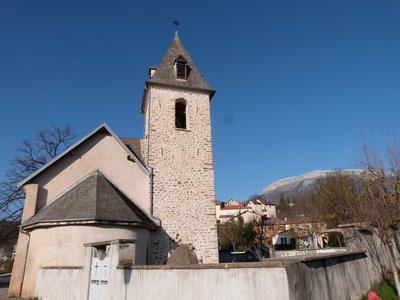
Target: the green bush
(386, 291)
(8, 266)
(364, 297)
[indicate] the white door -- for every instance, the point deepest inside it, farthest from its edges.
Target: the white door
(99, 273)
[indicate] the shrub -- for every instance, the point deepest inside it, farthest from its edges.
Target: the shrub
(386, 291)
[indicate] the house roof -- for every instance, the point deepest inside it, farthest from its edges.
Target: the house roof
(232, 200)
(266, 202)
(93, 198)
(164, 74)
(231, 207)
(240, 204)
(104, 126)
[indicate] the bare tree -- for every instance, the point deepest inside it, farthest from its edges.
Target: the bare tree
(265, 230)
(32, 155)
(380, 200)
(373, 198)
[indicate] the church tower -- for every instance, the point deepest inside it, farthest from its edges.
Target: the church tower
(178, 147)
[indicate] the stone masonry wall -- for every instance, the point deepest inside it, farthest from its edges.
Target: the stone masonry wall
(182, 162)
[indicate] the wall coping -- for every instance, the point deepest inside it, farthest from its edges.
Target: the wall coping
(269, 264)
(279, 262)
(319, 256)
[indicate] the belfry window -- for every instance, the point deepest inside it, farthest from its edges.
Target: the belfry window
(181, 68)
(180, 115)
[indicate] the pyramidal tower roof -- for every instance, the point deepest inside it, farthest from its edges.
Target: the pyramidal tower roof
(165, 72)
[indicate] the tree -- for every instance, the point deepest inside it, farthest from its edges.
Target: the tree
(265, 230)
(32, 155)
(372, 198)
(236, 235)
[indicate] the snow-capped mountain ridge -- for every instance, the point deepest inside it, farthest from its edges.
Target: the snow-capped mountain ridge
(293, 179)
(297, 185)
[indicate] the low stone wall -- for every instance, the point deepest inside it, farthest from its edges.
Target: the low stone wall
(209, 283)
(340, 275)
(343, 275)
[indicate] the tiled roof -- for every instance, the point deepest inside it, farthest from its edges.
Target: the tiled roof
(230, 207)
(134, 145)
(165, 73)
(92, 199)
(266, 202)
(263, 201)
(241, 204)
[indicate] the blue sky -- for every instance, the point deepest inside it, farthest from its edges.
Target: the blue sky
(298, 82)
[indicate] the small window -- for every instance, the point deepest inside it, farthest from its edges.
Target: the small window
(181, 68)
(180, 115)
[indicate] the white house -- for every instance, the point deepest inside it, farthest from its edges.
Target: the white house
(254, 209)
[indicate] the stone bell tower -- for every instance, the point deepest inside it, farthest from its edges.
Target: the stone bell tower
(178, 147)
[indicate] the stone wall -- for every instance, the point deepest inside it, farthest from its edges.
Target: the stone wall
(341, 275)
(183, 182)
(368, 239)
(334, 276)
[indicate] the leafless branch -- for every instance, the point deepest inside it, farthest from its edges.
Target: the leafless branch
(32, 155)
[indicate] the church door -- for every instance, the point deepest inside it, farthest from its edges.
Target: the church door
(99, 272)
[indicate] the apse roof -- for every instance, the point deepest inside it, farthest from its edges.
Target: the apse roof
(93, 198)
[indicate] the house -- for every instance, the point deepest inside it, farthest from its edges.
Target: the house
(106, 190)
(251, 210)
(232, 209)
(263, 208)
(233, 202)
(308, 235)
(285, 240)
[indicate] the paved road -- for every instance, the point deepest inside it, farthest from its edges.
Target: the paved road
(4, 281)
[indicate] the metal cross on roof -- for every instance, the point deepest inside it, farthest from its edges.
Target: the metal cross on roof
(176, 22)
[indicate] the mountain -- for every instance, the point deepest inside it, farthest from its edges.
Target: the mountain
(297, 186)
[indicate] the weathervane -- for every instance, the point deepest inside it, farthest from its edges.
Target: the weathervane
(176, 22)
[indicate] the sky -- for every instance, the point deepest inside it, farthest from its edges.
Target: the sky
(299, 83)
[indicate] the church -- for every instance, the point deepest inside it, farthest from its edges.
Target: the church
(148, 195)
